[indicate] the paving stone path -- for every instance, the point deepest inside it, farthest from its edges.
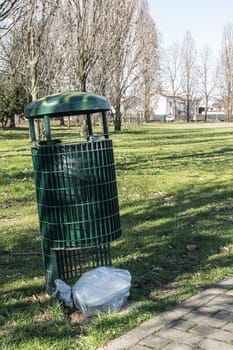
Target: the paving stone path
(203, 322)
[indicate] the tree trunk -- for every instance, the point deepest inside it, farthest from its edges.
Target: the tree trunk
(146, 102)
(147, 115)
(188, 111)
(83, 126)
(62, 121)
(118, 118)
(12, 121)
(174, 106)
(206, 117)
(206, 108)
(83, 83)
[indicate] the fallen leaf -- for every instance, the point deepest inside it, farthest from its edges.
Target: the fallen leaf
(157, 269)
(191, 247)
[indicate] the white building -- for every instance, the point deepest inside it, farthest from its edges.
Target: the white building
(164, 106)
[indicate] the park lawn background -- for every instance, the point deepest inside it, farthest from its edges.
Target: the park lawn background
(175, 187)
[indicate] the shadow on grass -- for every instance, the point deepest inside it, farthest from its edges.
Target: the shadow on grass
(23, 261)
(161, 137)
(154, 246)
(16, 176)
(43, 335)
(28, 321)
(156, 252)
(156, 235)
(18, 133)
(154, 160)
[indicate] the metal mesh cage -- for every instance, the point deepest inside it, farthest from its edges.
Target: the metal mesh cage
(77, 205)
(76, 188)
(77, 194)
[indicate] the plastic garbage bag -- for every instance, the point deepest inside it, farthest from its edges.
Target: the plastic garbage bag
(103, 289)
(63, 292)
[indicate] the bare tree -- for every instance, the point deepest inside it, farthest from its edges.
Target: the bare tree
(84, 25)
(6, 6)
(11, 64)
(207, 77)
(38, 19)
(171, 63)
(102, 70)
(227, 69)
(10, 14)
(124, 51)
(31, 49)
(103, 45)
(188, 71)
(148, 61)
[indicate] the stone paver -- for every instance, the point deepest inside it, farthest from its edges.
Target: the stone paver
(154, 342)
(203, 322)
(209, 344)
(212, 333)
(180, 337)
(175, 346)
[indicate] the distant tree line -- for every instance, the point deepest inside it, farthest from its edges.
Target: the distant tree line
(109, 47)
(199, 76)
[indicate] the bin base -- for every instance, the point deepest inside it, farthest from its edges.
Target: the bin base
(69, 263)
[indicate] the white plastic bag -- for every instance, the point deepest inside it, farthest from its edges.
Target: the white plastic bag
(104, 289)
(63, 292)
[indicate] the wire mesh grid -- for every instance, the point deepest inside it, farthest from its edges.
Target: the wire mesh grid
(70, 263)
(77, 206)
(77, 193)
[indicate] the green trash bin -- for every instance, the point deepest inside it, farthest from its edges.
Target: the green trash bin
(76, 189)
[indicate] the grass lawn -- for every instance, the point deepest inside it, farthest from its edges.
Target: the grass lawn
(175, 186)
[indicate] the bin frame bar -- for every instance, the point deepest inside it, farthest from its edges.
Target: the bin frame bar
(66, 104)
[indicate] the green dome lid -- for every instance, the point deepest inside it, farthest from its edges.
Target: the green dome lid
(71, 103)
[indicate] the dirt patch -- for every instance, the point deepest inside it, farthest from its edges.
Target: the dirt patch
(43, 316)
(77, 318)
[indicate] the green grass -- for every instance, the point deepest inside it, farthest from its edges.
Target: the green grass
(175, 185)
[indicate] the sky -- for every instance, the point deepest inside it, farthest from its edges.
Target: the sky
(205, 19)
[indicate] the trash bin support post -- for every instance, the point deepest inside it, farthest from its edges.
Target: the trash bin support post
(89, 125)
(32, 130)
(47, 127)
(105, 125)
